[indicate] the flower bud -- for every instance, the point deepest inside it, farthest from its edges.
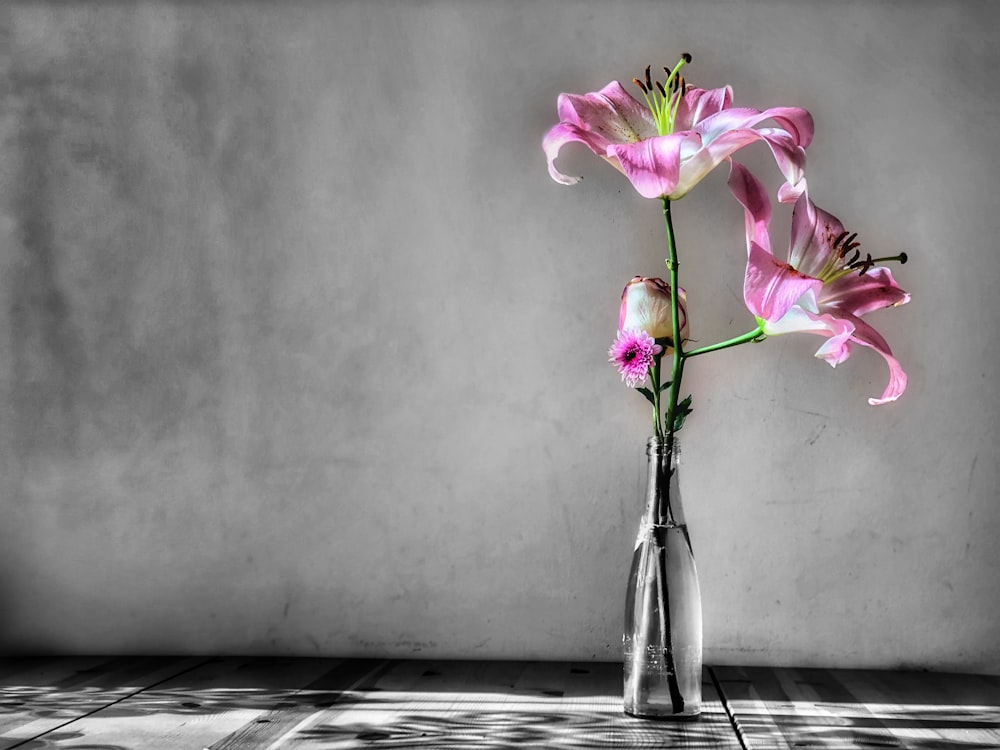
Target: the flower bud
(646, 307)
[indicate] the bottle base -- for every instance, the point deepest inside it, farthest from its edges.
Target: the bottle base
(663, 717)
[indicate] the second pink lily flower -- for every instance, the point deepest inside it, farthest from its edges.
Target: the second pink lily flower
(825, 287)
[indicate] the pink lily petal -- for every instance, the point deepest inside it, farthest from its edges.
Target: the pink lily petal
(865, 335)
(749, 191)
(791, 161)
(813, 233)
(843, 331)
(772, 287)
(699, 104)
(564, 133)
(653, 166)
(790, 193)
(554, 140)
(796, 122)
(596, 120)
(789, 158)
(861, 294)
(798, 320)
(611, 113)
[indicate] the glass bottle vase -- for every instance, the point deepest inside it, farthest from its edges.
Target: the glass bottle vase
(662, 640)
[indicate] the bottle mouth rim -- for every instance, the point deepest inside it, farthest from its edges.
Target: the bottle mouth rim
(657, 445)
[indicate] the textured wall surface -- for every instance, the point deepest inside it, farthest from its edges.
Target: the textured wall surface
(302, 351)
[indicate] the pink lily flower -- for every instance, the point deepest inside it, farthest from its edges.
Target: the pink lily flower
(669, 144)
(825, 287)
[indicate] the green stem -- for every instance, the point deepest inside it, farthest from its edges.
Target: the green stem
(747, 337)
(660, 516)
(655, 380)
(677, 370)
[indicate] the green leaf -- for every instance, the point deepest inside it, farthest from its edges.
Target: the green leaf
(648, 394)
(665, 386)
(681, 413)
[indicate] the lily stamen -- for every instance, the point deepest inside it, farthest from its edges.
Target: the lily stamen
(849, 243)
(663, 99)
(834, 270)
(863, 265)
(837, 265)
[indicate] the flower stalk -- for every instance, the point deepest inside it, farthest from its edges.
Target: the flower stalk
(679, 356)
(677, 370)
(655, 377)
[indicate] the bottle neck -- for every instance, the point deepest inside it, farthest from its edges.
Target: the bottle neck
(663, 497)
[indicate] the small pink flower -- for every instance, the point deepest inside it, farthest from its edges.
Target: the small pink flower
(633, 353)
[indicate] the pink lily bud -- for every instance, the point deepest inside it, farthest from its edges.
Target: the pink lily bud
(646, 307)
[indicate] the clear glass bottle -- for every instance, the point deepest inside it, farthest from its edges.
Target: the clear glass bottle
(662, 640)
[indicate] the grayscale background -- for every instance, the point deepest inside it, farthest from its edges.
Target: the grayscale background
(303, 352)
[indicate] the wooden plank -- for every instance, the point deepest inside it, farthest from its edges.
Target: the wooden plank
(193, 709)
(403, 708)
(861, 709)
(807, 708)
(41, 695)
(931, 710)
(285, 718)
(486, 710)
(751, 696)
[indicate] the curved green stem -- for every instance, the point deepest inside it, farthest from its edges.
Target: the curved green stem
(747, 337)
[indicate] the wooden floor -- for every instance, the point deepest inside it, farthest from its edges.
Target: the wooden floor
(263, 704)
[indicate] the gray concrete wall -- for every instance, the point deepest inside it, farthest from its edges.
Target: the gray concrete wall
(302, 351)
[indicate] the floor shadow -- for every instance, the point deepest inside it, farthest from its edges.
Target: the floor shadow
(847, 709)
(511, 728)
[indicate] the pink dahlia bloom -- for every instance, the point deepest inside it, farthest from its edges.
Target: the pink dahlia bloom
(633, 353)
